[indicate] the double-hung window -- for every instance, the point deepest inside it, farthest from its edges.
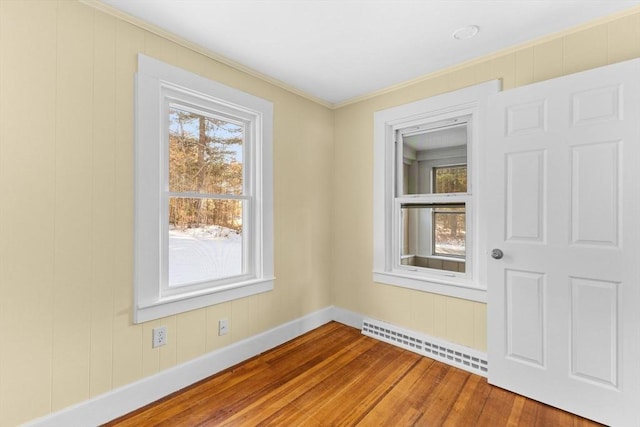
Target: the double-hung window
(432, 197)
(427, 215)
(203, 195)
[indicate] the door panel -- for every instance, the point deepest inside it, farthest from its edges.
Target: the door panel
(595, 204)
(527, 118)
(597, 105)
(594, 330)
(525, 316)
(563, 186)
(525, 182)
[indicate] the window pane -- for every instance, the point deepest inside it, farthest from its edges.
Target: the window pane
(428, 235)
(205, 239)
(449, 232)
(205, 154)
(450, 179)
(423, 152)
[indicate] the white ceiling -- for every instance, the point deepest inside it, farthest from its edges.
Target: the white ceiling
(337, 50)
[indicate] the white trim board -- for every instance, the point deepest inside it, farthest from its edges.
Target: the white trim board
(121, 401)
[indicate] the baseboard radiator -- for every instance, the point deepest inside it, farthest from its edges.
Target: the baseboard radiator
(452, 354)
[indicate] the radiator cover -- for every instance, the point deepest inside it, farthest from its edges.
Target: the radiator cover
(452, 354)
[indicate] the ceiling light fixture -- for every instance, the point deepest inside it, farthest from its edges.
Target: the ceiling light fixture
(466, 32)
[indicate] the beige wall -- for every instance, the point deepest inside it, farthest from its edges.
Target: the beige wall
(66, 203)
(66, 210)
(453, 319)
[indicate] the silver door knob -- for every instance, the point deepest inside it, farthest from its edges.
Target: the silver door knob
(496, 254)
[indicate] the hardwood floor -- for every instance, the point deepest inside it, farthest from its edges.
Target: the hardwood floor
(335, 376)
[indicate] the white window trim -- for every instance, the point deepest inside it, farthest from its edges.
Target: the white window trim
(468, 101)
(156, 83)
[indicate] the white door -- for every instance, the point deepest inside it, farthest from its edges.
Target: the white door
(563, 183)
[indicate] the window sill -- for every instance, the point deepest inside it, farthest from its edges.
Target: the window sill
(443, 286)
(446, 258)
(185, 302)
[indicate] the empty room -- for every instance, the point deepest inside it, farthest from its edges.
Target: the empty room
(319, 212)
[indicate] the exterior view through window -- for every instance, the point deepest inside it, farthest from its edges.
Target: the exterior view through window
(433, 196)
(205, 199)
(450, 179)
(449, 230)
(449, 223)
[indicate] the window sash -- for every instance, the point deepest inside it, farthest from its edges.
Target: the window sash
(211, 109)
(432, 201)
(247, 267)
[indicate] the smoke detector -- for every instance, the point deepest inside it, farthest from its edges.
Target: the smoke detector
(466, 32)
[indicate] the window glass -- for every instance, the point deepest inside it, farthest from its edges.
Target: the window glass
(205, 154)
(205, 239)
(434, 163)
(205, 233)
(434, 160)
(449, 231)
(450, 179)
(431, 233)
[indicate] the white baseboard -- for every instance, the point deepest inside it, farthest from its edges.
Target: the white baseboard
(347, 317)
(121, 401)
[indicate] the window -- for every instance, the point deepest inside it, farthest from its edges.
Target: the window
(206, 196)
(433, 196)
(203, 220)
(426, 194)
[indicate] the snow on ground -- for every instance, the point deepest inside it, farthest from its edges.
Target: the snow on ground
(206, 253)
(451, 249)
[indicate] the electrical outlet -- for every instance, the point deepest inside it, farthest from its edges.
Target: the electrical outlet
(223, 326)
(159, 336)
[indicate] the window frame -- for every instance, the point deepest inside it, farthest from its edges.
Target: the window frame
(472, 102)
(158, 86)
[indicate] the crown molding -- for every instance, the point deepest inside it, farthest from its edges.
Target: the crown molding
(334, 106)
(102, 7)
(489, 57)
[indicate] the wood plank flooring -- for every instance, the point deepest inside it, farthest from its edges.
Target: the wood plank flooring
(335, 376)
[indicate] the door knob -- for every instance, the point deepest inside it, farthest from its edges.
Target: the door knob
(496, 254)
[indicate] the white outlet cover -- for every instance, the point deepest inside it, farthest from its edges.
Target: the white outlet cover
(159, 336)
(223, 326)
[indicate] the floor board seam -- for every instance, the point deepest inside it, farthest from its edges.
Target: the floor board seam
(387, 391)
